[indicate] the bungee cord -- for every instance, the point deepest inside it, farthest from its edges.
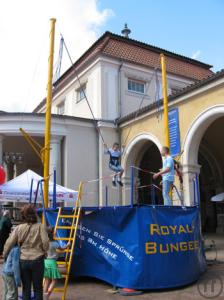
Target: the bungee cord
(83, 91)
(57, 67)
(110, 176)
(127, 188)
(144, 170)
(88, 103)
(140, 105)
(156, 100)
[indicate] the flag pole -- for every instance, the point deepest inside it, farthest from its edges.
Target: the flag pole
(165, 100)
(48, 114)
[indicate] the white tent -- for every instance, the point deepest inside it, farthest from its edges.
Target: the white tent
(18, 190)
(218, 198)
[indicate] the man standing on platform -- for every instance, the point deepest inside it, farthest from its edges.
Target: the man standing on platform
(167, 174)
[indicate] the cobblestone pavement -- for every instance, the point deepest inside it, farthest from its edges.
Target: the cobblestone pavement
(210, 285)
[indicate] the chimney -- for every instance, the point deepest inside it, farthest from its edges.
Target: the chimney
(126, 31)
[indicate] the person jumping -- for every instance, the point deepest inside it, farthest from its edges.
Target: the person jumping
(114, 162)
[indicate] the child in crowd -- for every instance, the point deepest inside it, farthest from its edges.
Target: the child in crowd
(11, 274)
(114, 162)
(51, 271)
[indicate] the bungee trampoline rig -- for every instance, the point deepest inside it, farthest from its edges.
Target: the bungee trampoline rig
(135, 246)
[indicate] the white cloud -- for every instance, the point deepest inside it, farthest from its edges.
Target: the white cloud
(196, 54)
(24, 32)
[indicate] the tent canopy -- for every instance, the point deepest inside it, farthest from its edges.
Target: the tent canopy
(218, 198)
(18, 189)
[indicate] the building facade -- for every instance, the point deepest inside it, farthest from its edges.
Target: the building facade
(118, 76)
(201, 120)
(121, 78)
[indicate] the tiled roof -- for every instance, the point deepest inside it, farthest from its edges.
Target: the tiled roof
(172, 97)
(129, 50)
(149, 56)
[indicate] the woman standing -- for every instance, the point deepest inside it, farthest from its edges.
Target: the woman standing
(34, 243)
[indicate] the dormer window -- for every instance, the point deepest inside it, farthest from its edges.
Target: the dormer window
(136, 86)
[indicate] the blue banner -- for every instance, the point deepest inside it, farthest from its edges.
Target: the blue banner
(174, 131)
(142, 247)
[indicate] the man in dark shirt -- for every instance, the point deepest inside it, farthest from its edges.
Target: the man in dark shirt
(5, 229)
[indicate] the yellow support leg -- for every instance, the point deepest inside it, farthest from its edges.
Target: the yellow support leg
(74, 218)
(48, 114)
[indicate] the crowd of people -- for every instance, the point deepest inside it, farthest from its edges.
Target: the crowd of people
(30, 254)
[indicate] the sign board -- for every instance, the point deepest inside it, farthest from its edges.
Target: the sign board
(145, 247)
(174, 130)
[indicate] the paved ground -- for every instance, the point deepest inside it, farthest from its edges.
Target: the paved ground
(214, 278)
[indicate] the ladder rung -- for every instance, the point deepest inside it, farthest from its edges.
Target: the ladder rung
(62, 262)
(65, 266)
(63, 239)
(58, 290)
(67, 250)
(68, 216)
(65, 227)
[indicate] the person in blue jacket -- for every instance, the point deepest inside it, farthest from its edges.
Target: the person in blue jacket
(167, 173)
(11, 274)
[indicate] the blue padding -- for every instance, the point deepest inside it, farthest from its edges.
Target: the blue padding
(146, 247)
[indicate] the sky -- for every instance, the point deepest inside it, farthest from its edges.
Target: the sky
(188, 27)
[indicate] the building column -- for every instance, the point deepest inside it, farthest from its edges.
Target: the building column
(190, 172)
(55, 158)
(110, 135)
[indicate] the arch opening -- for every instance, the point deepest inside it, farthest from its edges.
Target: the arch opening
(150, 160)
(143, 153)
(204, 155)
(211, 160)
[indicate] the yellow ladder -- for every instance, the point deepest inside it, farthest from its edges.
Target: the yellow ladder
(71, 238)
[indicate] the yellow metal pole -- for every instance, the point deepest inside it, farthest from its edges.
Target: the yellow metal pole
(165, 100)
(165, 105)
(48, 114)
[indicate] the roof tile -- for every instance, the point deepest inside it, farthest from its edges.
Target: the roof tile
(136, 52)
(138, 55)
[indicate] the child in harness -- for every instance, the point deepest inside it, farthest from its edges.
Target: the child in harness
(114, 162)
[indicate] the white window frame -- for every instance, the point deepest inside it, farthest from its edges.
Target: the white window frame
(60, 106)
(134, 81)
(79, 91)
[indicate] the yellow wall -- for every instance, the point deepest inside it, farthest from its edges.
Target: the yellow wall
(189, 109)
